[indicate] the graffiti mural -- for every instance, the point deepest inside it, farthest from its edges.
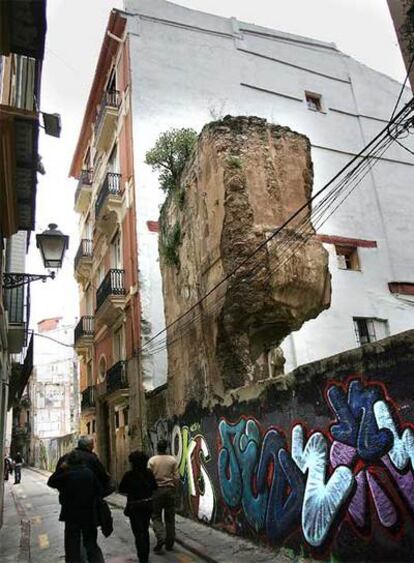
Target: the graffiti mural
(354, 474)
(192, 455)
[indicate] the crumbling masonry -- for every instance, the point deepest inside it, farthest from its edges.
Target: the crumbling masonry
(245, 178)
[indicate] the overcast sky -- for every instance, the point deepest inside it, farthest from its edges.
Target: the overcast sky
(360, 28)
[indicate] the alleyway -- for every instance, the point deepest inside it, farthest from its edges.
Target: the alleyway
(32, 532)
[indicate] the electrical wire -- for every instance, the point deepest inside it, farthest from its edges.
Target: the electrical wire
(299, 236)
(296, 237)
(299, 241)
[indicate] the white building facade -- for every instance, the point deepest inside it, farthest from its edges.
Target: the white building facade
(189, 68)
(54, 383)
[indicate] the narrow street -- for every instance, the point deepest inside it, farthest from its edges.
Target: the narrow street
(32, 532)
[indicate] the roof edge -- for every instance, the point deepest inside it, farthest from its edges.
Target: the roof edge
(116, 26)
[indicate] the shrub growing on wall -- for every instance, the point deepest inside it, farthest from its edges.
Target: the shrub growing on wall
(169, 155)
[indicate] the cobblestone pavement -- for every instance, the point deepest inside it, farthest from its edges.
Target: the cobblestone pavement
(32, 532)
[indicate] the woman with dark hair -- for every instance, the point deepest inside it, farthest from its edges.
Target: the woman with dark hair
(79, 491)
(139, 484)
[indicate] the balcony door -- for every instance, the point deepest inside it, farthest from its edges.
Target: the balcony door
(89, 302)
(118, 345)
(113, 160)
(116, 252)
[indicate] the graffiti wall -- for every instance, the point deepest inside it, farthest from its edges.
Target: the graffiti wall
(325, 467)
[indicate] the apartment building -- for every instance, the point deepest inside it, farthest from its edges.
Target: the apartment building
(22, 39)
(163, 66)
(53, 387)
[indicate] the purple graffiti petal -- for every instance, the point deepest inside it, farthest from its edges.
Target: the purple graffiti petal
(341, 454)
(404, 482)
(385, 508)
(358, 506)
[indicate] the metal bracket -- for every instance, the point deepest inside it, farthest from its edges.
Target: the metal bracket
(13, 279)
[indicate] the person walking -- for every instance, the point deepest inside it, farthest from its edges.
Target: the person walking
(85, 450)
(90, 459)
(18, 462)
(139, 485)
(8, 467)
(79, 492)
(165, 470)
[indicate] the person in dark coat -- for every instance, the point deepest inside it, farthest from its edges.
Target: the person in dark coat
(79, 491)
(8, 467)
(18, 462)
(139, 484)
(91, 460)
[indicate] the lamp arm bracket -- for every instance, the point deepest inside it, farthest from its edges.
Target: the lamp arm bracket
(14, 279)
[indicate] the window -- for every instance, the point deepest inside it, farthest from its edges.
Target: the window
(113, 164)
(118, 345)
(347, 257)
(87, 163)
(116, 419)
(313, 101)
(93, 426)
(116, 252)
(111, 84)
(88, 428)
(370, 330)
(125, 413)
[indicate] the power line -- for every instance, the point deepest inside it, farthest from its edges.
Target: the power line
(50, 338)
(363, 161)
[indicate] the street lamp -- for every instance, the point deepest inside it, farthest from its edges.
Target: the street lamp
(52, 245)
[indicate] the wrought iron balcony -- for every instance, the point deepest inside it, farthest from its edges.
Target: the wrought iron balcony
(106, 118)
(85, 327)
(112, 285)
(83, 260)
(83, 191)
(88, 398)
(84, 251)
(116, 377)
(111, 188)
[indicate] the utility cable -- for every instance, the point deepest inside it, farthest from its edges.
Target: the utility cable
(406, 109)
(299, 240)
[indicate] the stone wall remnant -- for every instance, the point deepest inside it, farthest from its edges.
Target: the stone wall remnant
(244, 180)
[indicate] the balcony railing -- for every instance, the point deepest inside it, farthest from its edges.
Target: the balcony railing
(84, 251)
(110, 99)
(116, 377)
(88, 398)
(85, 179)
(113, 284)
(85, 327)
(111, 186)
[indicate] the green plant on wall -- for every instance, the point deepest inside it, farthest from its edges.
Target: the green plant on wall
(170, 243)
(169, 155)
